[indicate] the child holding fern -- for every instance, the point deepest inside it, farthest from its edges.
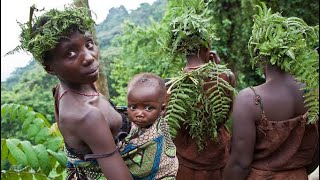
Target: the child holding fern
(275, 130)
(148, 150)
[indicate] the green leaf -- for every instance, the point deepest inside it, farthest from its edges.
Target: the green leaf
(11, 159)
(60, 157)
(4, 149)
(54, 143)
(16, 152)
(42, 136)
(30, 154)
(43, 158)
(26, 175)
(32, 130)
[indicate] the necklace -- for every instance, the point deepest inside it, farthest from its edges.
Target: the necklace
(84, 94)
(75, 92)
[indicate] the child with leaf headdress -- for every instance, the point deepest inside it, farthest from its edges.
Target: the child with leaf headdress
(62, 42)
(200, 95)
(275, 127)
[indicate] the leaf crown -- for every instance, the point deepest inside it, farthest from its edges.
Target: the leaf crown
(43, 33)
(290, 44)
(189, 26)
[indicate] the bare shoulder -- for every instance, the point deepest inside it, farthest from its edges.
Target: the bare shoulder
(244, 104)
(245, 96)
(229, 77)
(80, 116)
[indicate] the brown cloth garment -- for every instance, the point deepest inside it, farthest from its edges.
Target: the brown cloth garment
(283, 148)
(206, 164)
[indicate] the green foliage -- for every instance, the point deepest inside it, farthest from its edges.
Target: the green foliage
(111, 26)
(39, 154)
(142, 16)
(188, 27)
(34, 88)
(140, 52)
(290, 44)
(43, 33)
(145, 12)
(202, 110)
(233, 21)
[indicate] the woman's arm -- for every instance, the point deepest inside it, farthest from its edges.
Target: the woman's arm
(95, 132)
(243, 137)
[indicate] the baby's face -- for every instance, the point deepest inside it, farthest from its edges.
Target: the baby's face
(144, 105)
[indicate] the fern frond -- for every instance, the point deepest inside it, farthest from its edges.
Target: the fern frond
(200, 110)
(289, 43)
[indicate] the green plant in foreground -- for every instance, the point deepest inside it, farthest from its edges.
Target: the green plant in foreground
(40, 155)
(290, 44)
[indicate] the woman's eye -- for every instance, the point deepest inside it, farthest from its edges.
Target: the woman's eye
(90, 44)
(148, 108)
(71, 54)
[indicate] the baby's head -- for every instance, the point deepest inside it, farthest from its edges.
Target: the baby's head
(146, 99)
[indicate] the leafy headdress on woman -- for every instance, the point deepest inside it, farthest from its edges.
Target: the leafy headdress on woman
(189, 28)
(43, 33)
(289, 43)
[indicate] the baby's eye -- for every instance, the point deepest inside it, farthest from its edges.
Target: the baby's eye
(132, 107)
(149, 108)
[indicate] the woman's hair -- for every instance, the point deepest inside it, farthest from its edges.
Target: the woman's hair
(43, 33)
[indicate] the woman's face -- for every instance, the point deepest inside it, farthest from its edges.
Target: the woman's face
(75, 59)
(144, 105)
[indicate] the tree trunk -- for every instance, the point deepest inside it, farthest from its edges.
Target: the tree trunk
(101, 83)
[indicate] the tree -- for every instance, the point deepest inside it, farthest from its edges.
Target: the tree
(101, 83)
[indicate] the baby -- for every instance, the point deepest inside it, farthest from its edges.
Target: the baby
(148, 150)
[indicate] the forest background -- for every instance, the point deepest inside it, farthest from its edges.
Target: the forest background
(129, 44)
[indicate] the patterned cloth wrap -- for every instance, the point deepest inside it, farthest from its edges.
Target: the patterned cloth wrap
(80, 169)
(150, 153)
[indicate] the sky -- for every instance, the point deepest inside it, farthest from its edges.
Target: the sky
(18, 10)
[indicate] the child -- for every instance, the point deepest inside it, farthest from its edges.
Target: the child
(148, 150)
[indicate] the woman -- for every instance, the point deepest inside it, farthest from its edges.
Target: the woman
(62, 42)
(274, 134)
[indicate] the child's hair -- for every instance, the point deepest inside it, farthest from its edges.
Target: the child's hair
(43, 33)
(149, 80)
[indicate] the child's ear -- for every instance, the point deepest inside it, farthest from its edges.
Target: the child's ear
(163, 110)
(49, 69)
